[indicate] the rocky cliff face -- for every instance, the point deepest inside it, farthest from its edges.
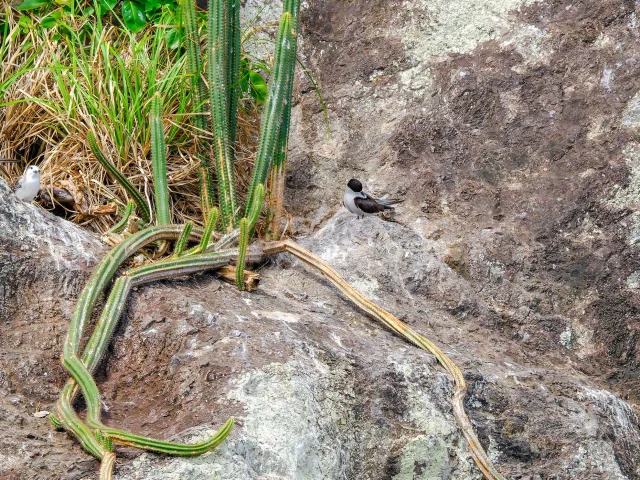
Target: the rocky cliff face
(510, 128)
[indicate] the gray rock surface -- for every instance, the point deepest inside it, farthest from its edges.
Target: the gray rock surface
(317, 389)
(510, 128)
(44, 263)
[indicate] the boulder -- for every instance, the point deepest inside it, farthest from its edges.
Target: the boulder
(317, 389)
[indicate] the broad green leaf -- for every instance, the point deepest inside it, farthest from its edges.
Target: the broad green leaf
(32, 4)
(258, 86)
(173, 38)
(108, 4)
(152, 5)
(48, 22)
(133, 15)
(25, 23)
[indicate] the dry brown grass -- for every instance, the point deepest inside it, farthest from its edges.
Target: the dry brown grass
(48, 126)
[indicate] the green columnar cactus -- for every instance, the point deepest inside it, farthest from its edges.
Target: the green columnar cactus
(242, 251)
(218, 93)
(194, 63)
(184, 238)
(276, 180)
(282, 73)
(208, 230)
(97, 437)
(159, 164)
(247, 226)
(233, 68)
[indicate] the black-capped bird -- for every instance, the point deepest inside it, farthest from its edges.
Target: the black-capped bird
(361, 204)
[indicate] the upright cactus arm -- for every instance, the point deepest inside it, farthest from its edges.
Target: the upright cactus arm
(283, 67)
(254, 213)
(233, 70)
(242, 251)
(194, 63)
(292, 6)
(184, 238)
(159, 164)
(212, 219)
(277, 176)
(217, 74)
(247, 225)
(128, 210)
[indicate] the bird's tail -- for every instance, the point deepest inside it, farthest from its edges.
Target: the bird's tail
(386, 203)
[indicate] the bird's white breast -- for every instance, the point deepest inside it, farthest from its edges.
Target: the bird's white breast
(29, 188)
(349, 201)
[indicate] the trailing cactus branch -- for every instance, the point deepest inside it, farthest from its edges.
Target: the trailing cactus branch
(223, 51)
(81, 370)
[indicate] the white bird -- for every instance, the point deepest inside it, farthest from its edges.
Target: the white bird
(28, 185)
(358, 202)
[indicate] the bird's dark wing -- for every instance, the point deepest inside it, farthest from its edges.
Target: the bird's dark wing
(368, 205)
